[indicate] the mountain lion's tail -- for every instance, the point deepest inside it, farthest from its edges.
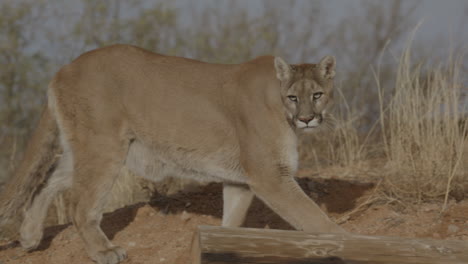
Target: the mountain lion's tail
(31, 174)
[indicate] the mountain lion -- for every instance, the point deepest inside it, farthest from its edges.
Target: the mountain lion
(159, 115)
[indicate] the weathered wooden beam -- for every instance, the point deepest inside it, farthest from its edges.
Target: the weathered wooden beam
(220, 245)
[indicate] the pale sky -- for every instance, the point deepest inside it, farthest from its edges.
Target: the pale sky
(438, 16)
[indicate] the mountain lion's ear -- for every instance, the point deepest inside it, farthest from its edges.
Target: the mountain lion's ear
(327, 67)
(283, 69)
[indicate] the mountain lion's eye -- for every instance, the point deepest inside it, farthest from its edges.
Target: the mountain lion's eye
(317, 95)
(292, 98)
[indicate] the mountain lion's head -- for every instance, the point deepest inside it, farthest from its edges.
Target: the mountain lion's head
(306, 90)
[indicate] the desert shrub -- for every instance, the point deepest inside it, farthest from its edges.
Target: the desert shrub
(423, 138)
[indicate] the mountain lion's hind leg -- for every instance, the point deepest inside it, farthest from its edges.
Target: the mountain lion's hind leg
(32, 226)
(236, 203)
(97, 166)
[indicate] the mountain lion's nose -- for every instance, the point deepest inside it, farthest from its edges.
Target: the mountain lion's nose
(306, 119)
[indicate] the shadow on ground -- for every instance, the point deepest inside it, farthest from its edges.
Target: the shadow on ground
(337, 196)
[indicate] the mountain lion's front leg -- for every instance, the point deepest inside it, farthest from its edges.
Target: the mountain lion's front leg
(282, 194)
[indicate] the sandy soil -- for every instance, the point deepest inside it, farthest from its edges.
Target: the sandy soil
(161, 231)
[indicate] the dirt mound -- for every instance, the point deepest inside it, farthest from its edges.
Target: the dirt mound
(161, 231)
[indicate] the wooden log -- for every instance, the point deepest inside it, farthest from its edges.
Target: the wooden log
(220, 245)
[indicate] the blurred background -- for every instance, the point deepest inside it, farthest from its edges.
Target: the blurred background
(401, 74)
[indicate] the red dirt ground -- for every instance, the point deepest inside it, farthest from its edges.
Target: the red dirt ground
(161, 231)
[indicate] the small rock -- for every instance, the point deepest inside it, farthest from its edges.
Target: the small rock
(144, 211)
(188, 204)
(162, 259)
(131, 244)
(430, 208)
(185, 216)
(161, 213)
(453, 229)
(16, 257)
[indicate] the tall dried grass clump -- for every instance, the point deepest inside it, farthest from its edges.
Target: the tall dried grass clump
(424, 136)
(347, 146)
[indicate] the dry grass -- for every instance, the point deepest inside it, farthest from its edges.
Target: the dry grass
(347, 147)
(419, 145)
(423, 137)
